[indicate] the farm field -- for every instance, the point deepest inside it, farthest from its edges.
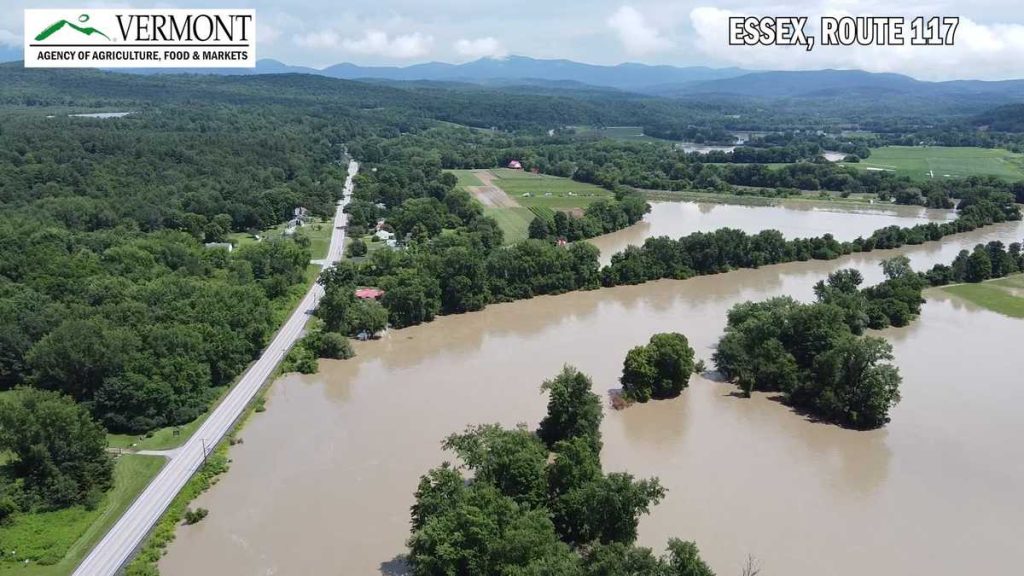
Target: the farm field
(514, 222)
(549, 191)
(58, 540)
(925, 162)
(1005, 296)
(503, 196)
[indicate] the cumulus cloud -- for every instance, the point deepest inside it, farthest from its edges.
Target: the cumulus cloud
(981, 51)
(637, 36)
(9, 38)
(378, 43)
(318, 39)
(487, 47)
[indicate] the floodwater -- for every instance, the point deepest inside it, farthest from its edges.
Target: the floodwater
(794, 220)
(325, 477)
(101, 115)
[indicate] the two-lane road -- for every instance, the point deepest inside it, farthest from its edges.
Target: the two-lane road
(121, 541)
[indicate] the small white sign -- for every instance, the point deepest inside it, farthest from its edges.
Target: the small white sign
(140, 38)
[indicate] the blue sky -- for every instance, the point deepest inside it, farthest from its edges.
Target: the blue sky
(990, 40)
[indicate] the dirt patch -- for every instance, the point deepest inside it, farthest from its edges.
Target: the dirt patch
(490, 195)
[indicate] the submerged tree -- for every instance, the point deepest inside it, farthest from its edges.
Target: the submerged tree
(659, 369)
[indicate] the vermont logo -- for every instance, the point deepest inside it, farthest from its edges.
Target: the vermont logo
(61, 24)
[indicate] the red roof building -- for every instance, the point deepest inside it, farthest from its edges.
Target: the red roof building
(369, 293)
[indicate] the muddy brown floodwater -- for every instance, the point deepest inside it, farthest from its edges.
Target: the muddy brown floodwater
(794, 220)
(324, 480)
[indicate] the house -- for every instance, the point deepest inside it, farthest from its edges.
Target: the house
(369, 293)
(384, 235)
(515, 165)
(300, 214)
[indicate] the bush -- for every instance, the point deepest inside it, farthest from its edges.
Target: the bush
(193, 516)
(336, 346)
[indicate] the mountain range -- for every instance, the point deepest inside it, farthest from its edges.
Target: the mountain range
(656, 80)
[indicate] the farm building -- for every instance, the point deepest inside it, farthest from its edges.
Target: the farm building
(369, 293)
(515, 165)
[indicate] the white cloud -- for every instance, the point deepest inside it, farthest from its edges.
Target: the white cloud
(377, 43)
(980, 51)
(637, 36)
(480, 48)
(10, 38)
(321, 39)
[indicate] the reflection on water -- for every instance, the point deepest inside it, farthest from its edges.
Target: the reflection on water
(794, 220)
(325, 478)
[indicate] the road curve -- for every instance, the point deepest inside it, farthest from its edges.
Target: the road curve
(127, 534)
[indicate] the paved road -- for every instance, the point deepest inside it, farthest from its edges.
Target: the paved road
(121, 541)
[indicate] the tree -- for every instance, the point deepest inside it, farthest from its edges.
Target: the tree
(661, 369)
(77, 356)
(478, 530)
(366, 316)
(356, 248)
(59, 451)
(574, 411)
(605, 510)
(979, 266)
(684, 559)
(538, 229)
(511, 460)
(855, 387)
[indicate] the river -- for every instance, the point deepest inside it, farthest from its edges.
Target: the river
(324, 479)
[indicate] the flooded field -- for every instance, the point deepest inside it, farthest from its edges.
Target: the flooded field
(794, 220)
(325, 477)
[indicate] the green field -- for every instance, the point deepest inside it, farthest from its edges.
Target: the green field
(626, 133)
(466, 178)
(1005, 296)
(550, 191)
(925, 162)
(514, 222)
(55, 542)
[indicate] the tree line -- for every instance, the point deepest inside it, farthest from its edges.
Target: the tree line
(461, 271)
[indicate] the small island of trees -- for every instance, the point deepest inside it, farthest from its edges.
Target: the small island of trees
(539, 503)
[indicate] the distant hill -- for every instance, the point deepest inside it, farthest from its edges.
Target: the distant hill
(514, 70)
(9, 53)
(1009, 118)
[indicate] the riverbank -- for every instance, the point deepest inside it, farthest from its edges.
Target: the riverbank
(1004, 295)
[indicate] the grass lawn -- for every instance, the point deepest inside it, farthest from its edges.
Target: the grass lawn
(550, 191)
(55, 542)
(514, 222)
(1005, 296)
(466, 178)
(925, 162)
(317, 230)
(161, 438)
